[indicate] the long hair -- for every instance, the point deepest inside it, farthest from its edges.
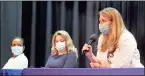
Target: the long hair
(69, 43)
(117, 26)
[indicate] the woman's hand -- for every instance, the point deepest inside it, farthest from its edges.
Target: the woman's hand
(89, 53)
(100, 65)
(95, 65)
(88, 49)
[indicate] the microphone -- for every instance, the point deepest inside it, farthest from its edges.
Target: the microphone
(92, 39)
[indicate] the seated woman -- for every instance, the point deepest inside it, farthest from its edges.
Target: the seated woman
(63, 52)
(19, 60)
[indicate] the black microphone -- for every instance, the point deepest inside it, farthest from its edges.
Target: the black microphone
(92, 39)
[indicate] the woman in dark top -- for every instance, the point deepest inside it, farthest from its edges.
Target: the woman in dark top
(63, 52)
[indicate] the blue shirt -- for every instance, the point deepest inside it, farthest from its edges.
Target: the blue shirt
(68, 60)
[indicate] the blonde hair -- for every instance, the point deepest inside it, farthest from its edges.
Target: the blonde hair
(117, 26)
(69, 43)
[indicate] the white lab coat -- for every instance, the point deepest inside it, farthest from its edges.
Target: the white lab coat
(125, 56)
(19, 62)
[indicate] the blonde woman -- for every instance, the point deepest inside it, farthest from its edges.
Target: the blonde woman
(63, 52)
(117, 47)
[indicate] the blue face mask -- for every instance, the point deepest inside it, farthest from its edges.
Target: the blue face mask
(17, 50)
(104, 28)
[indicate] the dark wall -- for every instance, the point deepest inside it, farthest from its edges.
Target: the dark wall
(10, 27)
(37, 21)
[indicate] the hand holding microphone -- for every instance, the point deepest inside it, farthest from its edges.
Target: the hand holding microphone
(87, 49)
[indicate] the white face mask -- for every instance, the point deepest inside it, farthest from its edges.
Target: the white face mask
(104, 28)
(60, 46)
(17, 50)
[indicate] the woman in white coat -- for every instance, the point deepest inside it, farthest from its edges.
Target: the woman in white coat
(117, 47)
(19, 60)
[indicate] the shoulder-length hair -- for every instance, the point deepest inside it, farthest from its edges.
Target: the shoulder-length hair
(69, 43)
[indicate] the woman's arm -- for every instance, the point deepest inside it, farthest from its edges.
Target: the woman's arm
(71, 61)
(46, 65)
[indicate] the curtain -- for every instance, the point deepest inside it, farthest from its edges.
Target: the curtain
(41, 19)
